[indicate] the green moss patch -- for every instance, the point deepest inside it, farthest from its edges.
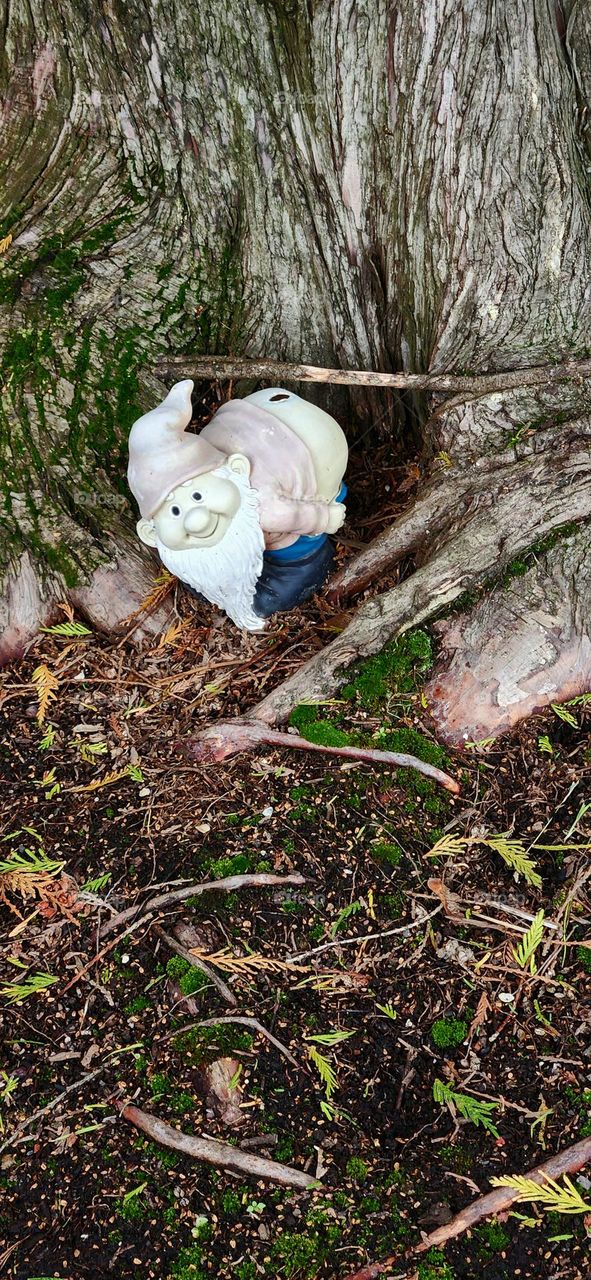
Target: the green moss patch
(400, 668)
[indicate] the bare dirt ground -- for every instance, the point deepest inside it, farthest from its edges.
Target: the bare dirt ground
(408, 971)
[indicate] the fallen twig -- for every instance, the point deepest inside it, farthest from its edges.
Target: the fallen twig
(570, 1160)
(99, 954)
(17, 1134)
(219, 1154)
(243, 1022)
(226, 885)
(226, 739)
(365, 937)
(225, 367)
(216, 981)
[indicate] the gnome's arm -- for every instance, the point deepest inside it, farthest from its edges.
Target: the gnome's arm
(290, 515)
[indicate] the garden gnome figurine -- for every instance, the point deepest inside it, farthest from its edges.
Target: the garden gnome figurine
(241, 512)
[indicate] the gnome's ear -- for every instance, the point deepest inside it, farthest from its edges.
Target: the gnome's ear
(146, 532)
(239, 463)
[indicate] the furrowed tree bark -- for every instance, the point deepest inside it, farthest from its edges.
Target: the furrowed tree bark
(350, 186)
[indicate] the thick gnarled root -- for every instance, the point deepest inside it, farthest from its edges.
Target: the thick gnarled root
(111, 601)
(520, 649)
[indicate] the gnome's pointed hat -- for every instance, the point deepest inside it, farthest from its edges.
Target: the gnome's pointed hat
(162, 454)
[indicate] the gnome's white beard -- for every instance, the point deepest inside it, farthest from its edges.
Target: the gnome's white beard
(226, 574)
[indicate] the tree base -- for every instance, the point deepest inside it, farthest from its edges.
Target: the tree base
(111, 598)
(520, 649)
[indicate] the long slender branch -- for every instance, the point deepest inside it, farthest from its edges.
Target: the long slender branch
(222, 740)
(337, 943)
(219, 1154)
(227, 885)
(225, 367)
(570, 1160)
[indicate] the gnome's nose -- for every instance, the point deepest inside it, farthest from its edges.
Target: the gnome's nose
(197, 520)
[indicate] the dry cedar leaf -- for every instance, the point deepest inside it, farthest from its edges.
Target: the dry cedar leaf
(162, 587)
(413, 474)
(62, 899)
(246, 965)
(337, 980)
(105, 781)
(46, 687)
(172, 633)
(5, 243)
(183, 683)
(223, 1093)
(56, 897)
(481, 1015)
(450, 902)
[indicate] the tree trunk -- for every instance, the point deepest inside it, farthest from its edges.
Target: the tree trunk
(344, 182)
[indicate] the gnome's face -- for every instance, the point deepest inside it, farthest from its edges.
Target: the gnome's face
(198, 513)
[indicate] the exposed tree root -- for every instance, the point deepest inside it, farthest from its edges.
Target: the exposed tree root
(471, 525)
(523, 647)
(218, 1154)
(144, 910)
(113, 594)
(568, 1161)
(222, 740)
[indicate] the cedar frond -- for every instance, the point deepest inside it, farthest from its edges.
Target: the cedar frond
(46, 687)
(525, 953)
(15, 992)
(172, 633)
(71, 629)
(325, 1070)
(565, 715)
(5, 243)
(554, 1197)
(163, 584)
(448, 847)
(247, 965)
(105, 781)
(514, 853)
(479, 1113)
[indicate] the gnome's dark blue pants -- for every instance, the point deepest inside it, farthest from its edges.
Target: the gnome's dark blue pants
(290, 576)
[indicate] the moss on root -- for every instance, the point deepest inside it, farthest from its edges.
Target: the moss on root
(400, 668)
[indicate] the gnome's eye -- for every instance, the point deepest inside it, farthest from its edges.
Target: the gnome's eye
(196, 496)
(175, 511)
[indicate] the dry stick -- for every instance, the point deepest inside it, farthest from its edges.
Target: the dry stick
(243, 1022)
(49, 1106)
(365, 937)
(99, 956)
(217, 982)
(224, 739)
(224, 367)
(219, 1154)
(568, 1161)
(195, 890)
